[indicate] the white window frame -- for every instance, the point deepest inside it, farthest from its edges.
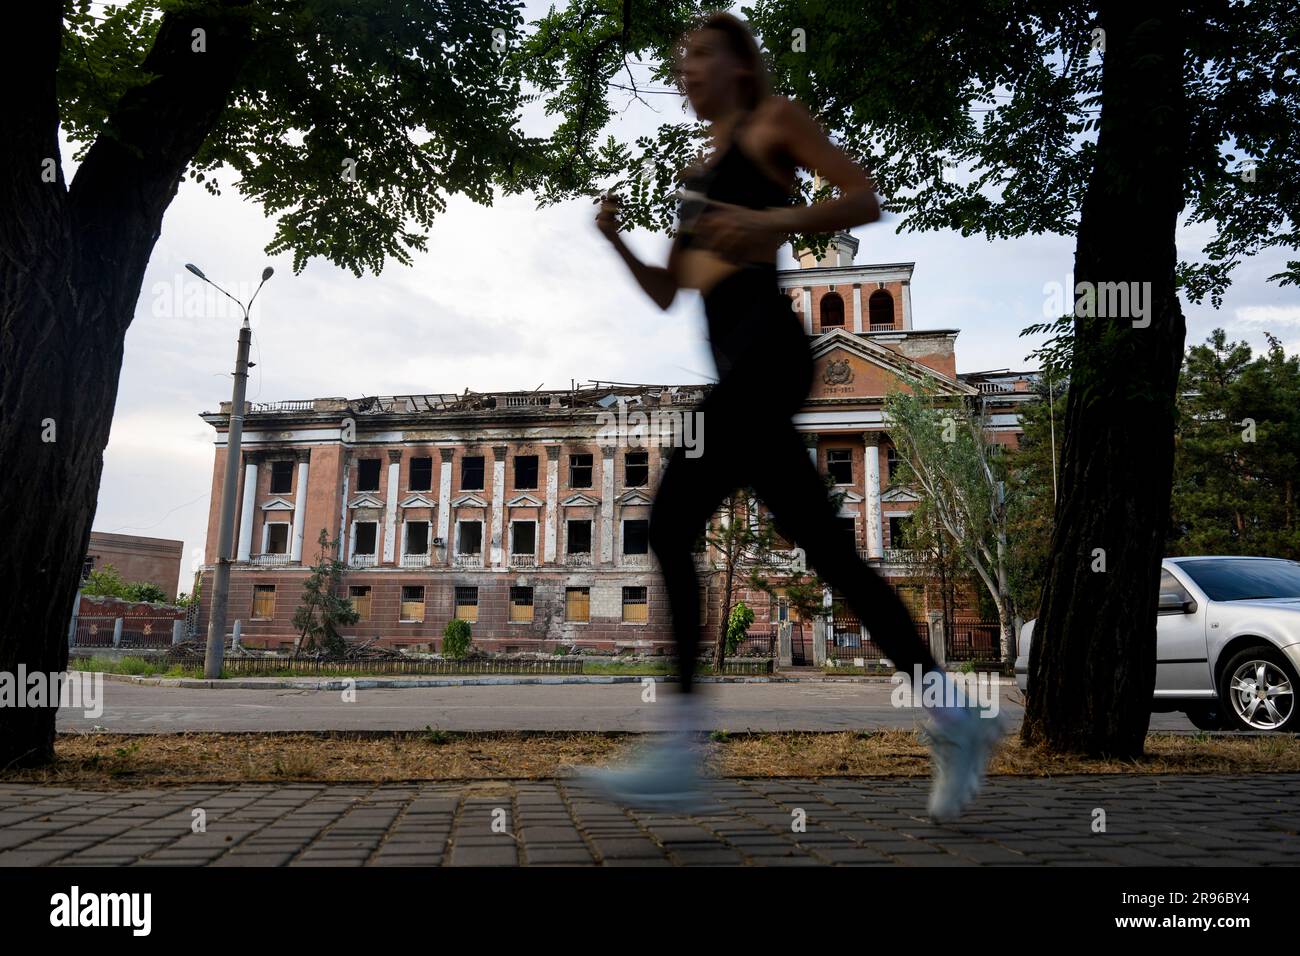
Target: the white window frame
(532, 521)
(428, 538)
(266, 536)
(456, 544)
(352, 538)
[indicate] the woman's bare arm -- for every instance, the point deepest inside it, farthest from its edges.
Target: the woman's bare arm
(658, 282)
(805, 142)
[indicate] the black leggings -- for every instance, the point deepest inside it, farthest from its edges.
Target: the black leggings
(748, 439)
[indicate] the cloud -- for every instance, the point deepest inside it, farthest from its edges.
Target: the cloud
(1268, 314)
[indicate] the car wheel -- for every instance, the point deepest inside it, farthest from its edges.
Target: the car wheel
(1257, 690)
(1207, 716)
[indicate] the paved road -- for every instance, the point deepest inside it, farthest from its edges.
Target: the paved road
(1201, 820)
(131, 708)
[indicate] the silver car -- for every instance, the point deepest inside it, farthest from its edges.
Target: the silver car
(1227, 642)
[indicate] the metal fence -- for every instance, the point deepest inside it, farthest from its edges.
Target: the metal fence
(143, 632)
(758, 642)
(845, 640)
(239, 664)
(970, 639)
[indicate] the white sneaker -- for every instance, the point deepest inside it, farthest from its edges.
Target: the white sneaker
(666, 778)
(961, 744)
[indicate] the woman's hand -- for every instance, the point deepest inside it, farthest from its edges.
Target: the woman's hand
(737, 232)
(607, 217)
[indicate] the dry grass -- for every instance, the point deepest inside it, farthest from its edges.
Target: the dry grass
(121, 760)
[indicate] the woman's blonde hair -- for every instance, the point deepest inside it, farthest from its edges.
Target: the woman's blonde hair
(742, 45)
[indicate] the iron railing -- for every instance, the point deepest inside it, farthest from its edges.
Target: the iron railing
(970, 639)
(141, 632)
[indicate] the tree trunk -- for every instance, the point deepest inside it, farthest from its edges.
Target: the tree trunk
(74, 260)
(1093, 654)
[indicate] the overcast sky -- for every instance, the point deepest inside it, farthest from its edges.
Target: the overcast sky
(507, 297)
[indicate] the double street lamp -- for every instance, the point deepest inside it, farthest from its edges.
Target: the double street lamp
(226, 536)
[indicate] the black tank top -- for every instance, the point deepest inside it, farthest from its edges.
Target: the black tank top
(735, 179)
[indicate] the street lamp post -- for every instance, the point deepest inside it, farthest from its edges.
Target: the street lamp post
(216, 645)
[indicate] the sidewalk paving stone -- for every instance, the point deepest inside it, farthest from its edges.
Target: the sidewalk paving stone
(1178, 820)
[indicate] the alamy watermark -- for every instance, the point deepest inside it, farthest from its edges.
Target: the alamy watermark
(81, 690)
(934, 689)
(1100, 300)
(658, 428)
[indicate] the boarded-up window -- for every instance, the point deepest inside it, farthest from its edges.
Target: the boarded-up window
(412, 608)
(263, 602)
(577, 605)
(467, 604)
(360, 597)
(635, 607)
(521, 604)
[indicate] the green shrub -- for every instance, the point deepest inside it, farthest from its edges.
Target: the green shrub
(456, 638)
(738, 622)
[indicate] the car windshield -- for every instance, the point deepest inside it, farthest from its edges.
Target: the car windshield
(1245, 579)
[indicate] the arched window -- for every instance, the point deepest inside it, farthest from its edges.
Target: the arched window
(832, 310)
(880, 310)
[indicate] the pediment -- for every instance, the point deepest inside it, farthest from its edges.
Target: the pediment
(898, 495)
(580, 501)
(524, 501)
(277, 504)
(418, 501)
(469, 501)
(366, 500)
(849, 365)
(633, 496)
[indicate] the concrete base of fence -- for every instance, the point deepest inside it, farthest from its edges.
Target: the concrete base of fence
(938, 644)
(785, 645)
(819, 642)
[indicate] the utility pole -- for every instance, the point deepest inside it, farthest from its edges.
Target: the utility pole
(216, 646)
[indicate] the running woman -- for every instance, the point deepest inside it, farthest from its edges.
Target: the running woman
(735, 214)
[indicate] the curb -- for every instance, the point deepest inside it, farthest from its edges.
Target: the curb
(470, 680)
(342, 683)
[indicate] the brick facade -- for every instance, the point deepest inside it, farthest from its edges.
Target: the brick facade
(470, 481)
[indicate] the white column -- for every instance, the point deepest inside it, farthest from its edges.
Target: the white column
(250, 503)
(907, 304)
(875, 533)
(444, 500)
(390, 506)
(552, 500)
(857, 307)
(807, 311)
(498, 503)
(607, 504)
(345, 546)
(300, 509)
